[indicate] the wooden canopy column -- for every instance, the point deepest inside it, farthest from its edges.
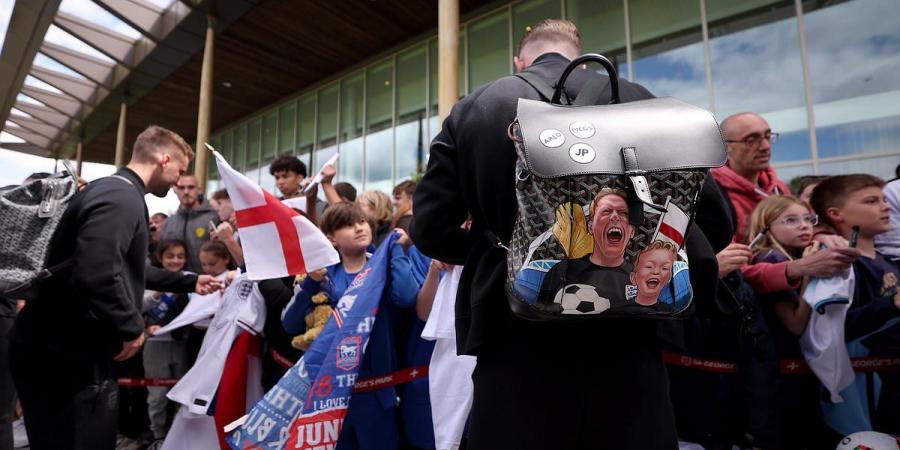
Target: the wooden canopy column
(448, 56)
(205, 108)
(120, 134)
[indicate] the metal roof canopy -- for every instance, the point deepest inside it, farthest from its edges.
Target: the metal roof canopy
(169, 37)
(266, 50)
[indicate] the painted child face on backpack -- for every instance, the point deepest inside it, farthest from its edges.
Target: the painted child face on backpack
(652, 271)
(611, 230)
(173, 258)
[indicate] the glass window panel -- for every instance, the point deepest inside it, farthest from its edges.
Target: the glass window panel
(602, 25)
(433, 70)
(789, 173)
(379, 121)
(734, 9)
(212, 172)
(854, 62)
(880, 167)
(286, 122)
(411, 148)
(269, 137)
(379, 86)
(488, 49)
(306, 122)
(240, 147)
(669, 61)
(266, 180)
(757, 68)
(254, 132)
(350, 166)
(528, 13)
(410, 139)
(327, 125)
(225, 146)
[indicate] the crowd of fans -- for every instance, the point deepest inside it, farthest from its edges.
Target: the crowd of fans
(774, 245)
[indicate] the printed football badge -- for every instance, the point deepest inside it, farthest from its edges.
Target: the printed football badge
(245, 289)
(200, 232)
(348, 351)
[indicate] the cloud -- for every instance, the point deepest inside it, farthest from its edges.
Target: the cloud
(91, 12)
(57, 36)
(6, 7)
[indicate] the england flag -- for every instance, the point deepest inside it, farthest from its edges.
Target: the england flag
(277, 240)
(672, 225)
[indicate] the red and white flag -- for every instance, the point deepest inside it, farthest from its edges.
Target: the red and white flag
(277, 240)
(672, 225)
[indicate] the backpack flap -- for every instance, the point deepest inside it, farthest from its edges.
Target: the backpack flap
(662, 133)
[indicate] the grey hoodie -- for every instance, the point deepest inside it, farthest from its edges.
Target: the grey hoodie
(192, 227)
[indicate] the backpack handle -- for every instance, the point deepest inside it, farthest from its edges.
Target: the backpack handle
(589, 57)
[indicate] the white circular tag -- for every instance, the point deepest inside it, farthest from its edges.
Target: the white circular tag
(582, 129)
(582, 153)
(552, 138)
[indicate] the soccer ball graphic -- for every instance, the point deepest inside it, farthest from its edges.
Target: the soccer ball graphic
(580, 299)
(869, 440)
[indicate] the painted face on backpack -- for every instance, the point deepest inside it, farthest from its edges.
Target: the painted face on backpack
(611, 231)
(652, 271)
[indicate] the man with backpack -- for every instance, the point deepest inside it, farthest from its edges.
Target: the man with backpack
(538, 385)
(88, 314)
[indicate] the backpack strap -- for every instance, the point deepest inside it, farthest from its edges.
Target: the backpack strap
(593, 92)
(120, 177)
(538, 83)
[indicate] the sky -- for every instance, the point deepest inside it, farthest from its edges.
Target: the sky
(17, 166)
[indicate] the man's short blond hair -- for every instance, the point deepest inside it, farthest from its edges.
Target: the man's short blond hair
(156, 138)
(605, 192)
(552, 31)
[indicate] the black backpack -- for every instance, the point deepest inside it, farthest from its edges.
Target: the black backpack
(634, 171)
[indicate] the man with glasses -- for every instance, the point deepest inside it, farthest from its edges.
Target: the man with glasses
(747, 178)
(191, 222)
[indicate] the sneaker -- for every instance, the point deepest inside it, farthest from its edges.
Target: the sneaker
(20, 438)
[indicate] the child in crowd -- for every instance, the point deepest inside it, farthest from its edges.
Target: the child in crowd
(376, 205)
(215, 260)
(226, 231)
(872, 326)
(371, 421)
(786, 224)
(165, 356)
(403, 204)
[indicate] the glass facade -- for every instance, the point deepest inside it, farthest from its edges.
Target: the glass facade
(822, 72)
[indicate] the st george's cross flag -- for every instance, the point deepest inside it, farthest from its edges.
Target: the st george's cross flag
(277, 240)
(672, 225)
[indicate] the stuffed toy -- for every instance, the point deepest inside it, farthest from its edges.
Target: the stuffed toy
(315, 322)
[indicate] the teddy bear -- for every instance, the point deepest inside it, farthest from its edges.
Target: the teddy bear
(315, 322)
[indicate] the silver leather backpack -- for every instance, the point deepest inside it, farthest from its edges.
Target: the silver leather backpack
(29, 216)
(606, 197)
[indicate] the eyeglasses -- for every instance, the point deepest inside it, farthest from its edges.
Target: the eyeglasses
(796, 221)
(754, 140)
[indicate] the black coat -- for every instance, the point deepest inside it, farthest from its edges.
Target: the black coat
(607, 373)
(471, 171)
(95, 305)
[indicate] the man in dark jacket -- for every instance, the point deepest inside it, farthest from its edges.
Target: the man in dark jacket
(190, 224)
(89, 314)
(538, 385)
